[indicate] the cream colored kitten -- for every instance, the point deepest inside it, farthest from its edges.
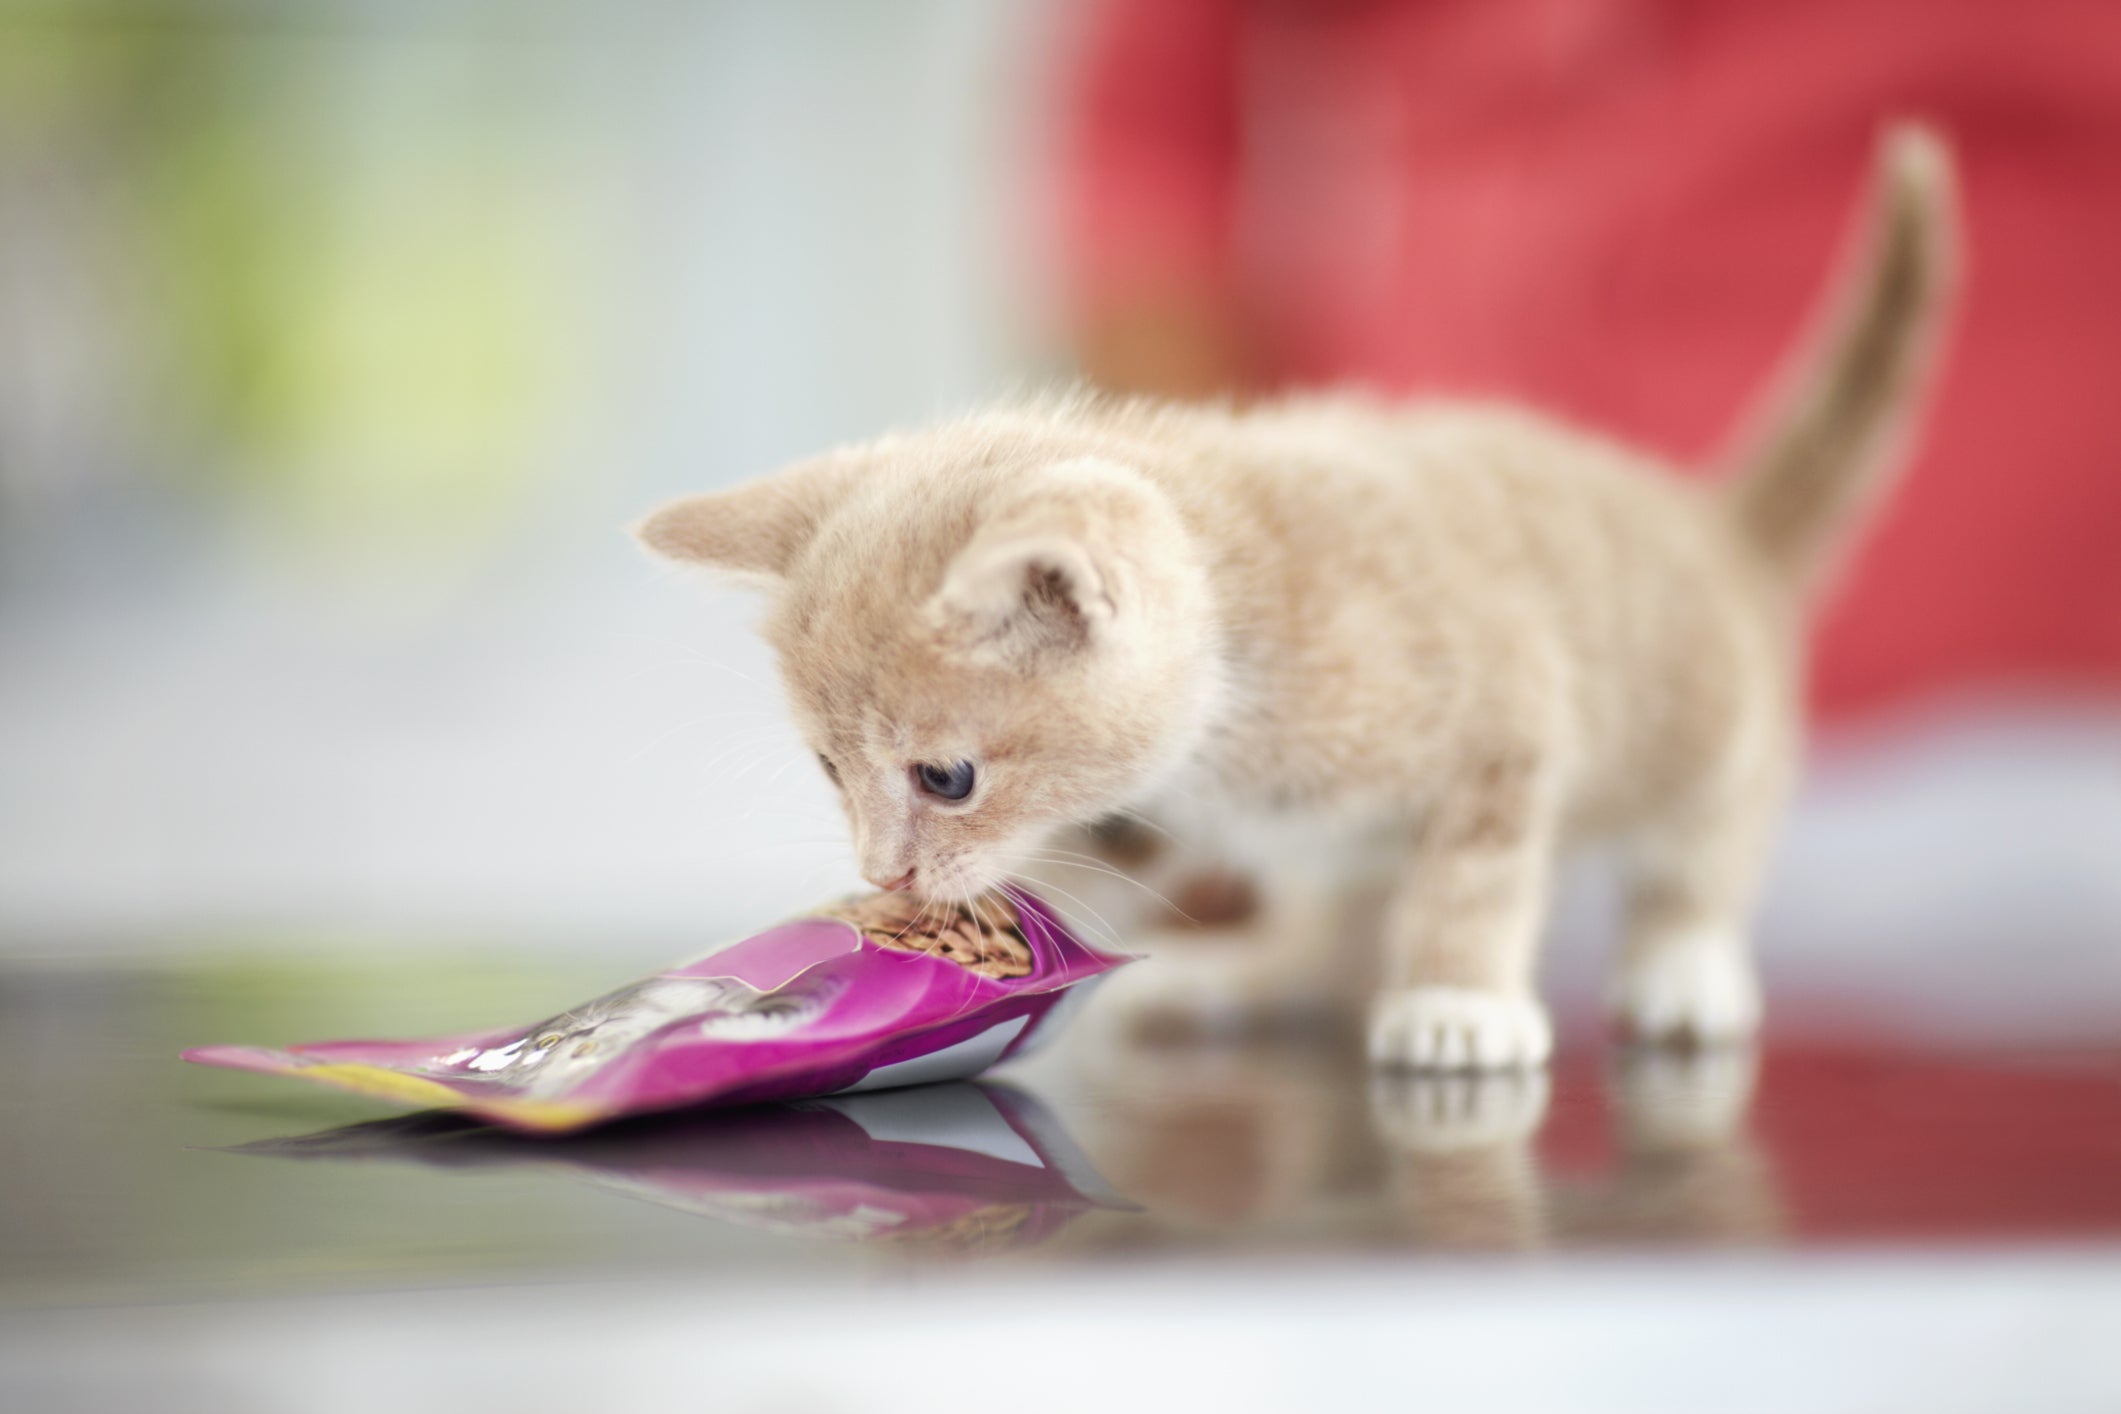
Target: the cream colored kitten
(1468, 632)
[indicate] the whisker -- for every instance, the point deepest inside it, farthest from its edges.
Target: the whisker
(738, 741)
(758, 758)
(1107, 934)
(977, 907)
(745, 754)
(795, 842)
(688, 724)
(782, 769)
(701, 660)
(1099, 867)
(918, 914)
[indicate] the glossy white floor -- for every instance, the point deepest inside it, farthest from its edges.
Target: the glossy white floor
(1885, 1332)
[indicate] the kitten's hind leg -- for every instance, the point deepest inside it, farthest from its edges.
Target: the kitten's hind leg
(1686, 969)
(1462, 934)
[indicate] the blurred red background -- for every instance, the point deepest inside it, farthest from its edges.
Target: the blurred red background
(1623, 211)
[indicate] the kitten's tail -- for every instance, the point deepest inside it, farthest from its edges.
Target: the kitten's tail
(1836, 431)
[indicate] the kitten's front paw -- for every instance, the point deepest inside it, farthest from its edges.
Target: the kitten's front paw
(1458, 1028)
(1701, 990)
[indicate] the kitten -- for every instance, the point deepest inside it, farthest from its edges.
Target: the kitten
(1465, 631)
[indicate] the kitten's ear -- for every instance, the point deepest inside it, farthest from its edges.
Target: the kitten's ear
(751, 532)
(1047, 572)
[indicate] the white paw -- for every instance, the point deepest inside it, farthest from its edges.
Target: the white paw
(1448, 1114)
(1458, 1028)
(1701, 990)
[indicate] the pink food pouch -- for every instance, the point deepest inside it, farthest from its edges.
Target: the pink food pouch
(869, 994)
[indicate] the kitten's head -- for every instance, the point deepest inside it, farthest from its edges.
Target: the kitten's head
(979, 639)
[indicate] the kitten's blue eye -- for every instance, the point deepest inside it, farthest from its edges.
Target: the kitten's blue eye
(952, 782)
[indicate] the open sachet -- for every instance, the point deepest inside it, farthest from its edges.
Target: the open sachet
(875, 992)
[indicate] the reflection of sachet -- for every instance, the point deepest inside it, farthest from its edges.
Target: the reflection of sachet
(818, 1006)
(955, 1166)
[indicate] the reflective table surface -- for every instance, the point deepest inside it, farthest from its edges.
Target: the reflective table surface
(134, 1183)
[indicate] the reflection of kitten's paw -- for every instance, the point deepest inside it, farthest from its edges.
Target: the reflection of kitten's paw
(1458, 1028)
(1672, 1100)
(1700, 990)
(1446, 1114)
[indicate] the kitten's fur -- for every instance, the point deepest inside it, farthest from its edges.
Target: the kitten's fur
(1465, 628)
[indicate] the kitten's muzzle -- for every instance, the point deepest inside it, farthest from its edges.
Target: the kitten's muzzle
(900, 885)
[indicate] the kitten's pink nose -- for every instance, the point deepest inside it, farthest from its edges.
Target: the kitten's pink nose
(899, 885)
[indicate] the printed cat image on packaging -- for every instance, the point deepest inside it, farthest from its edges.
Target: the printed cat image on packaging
(875, 992)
